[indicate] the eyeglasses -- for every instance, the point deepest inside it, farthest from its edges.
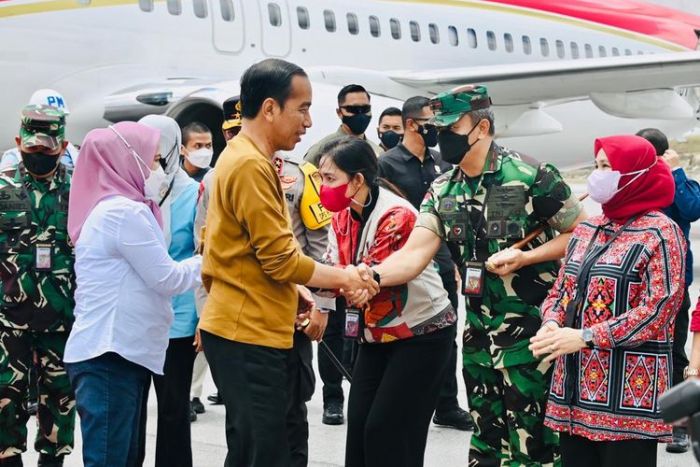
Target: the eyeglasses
(357, 109)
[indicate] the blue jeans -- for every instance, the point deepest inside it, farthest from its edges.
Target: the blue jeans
(108, 392)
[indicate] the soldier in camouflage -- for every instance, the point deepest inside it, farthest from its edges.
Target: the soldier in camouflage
(492, 199)
(37, 279)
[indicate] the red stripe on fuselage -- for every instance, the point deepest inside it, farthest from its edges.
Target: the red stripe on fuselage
(644, 18)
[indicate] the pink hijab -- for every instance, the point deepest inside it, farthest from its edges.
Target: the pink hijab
(107, 167)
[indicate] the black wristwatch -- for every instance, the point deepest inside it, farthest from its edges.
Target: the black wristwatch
(587, 336)
(377, 278)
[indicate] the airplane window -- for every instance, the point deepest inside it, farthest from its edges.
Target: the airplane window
(275, 14)
(303, 17)
(628, 52)
(615, 52)
(560, 49)
(374, 26)
(589, 51)
(395, 28)
(174, 7)
(471, 37)
(146, 5)
(544, 47)
(329, 17)
(527, 45)
(434, 33)
(200, 8)
(508, 39)
(415, 31)
(491, 40)
(353, 24)
(452, 34)
(602, 52)
(227, 12)
(574, 50)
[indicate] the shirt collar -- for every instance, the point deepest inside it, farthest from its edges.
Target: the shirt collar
(493, 163)
(407, 155)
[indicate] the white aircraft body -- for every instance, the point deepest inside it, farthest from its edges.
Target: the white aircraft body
(559, 73)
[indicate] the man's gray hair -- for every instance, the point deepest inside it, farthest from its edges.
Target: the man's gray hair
(484, 114)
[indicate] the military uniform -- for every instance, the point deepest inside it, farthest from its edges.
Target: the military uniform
(506, 385)
(36, 312)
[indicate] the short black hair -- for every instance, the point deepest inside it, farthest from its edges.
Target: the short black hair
(657, 139)
(349, 89)
(390, 112)
(193, 127)
(413, 107)
(271, 78)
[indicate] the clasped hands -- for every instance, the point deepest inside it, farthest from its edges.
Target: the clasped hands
(360, 285)
(553, 341)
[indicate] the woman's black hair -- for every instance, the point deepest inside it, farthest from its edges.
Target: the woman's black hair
(354, 156)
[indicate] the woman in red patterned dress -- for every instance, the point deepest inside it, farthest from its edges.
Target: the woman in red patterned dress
(405, 333)
(608, 320)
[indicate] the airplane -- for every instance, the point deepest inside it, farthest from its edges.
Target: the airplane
(560, 73)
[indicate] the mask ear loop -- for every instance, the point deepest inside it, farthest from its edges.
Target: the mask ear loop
(638, 173)
(133, 152)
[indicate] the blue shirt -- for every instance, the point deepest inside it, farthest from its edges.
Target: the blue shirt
(684, 210)
(182, 247)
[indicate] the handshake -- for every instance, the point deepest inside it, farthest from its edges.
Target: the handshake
(360, 286)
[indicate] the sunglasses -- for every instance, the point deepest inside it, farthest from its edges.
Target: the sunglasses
(357, 109)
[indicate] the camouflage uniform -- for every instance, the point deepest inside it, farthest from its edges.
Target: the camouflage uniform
(36, 312)
(506, 385)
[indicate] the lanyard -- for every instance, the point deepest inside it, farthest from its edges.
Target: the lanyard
(476, 231)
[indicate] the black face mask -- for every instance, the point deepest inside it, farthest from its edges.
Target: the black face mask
(357, 123)
(429, 134)
(454, 147)
(39, 163)
(390, 139)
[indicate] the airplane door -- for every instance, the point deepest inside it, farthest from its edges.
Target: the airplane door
(276, 28)
(229, 26)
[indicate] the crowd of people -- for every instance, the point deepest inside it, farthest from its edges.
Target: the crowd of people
(129, 260)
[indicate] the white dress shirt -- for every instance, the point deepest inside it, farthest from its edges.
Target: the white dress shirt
(125, 281)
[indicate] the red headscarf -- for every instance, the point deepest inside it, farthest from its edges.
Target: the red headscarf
(653, 189)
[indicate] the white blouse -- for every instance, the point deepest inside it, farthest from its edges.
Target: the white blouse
(125, 281)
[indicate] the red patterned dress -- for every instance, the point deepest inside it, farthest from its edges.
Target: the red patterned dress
(635, 288)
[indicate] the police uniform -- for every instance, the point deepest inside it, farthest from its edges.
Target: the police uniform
(506, 385)
(36, 312)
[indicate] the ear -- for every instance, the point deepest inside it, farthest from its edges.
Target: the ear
(18, 140)
(64, 145)
(339, 113)
(484, 127)
(358, 180)
(269, 109)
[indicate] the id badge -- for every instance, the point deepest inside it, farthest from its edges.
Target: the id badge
(352, 323)
(43, 258)
(473, 283)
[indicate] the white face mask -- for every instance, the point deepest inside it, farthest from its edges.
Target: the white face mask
(200, 158)
(602, 184)
(154, 185)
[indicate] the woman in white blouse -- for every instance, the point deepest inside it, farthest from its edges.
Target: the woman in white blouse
(125, 280)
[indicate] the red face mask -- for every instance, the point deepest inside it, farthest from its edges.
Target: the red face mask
(334, 199)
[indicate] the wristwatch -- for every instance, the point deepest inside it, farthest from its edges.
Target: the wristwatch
(690, 372)
(377, 278)
(587, 336)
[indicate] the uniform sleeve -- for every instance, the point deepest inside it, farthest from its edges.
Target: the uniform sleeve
(428, 217)
(552, 199)
(687, 198)
(663, 284)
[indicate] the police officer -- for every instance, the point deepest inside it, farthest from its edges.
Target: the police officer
(52, 98)
(483, 207)
(36, 272)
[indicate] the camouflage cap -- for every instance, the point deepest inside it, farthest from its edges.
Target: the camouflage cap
(232, 113)
(450, 106)
(42, 126)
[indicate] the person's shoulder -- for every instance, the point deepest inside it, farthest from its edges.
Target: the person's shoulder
(662, 223)
(393, 155)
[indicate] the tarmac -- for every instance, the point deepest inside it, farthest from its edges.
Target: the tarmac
(446, 447)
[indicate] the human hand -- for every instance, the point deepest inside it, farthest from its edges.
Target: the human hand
(317, 325)
(302, 320)
(361, 285)
(458, 278)
(306, 300)
(197, 343)
(506, 261)
(672, 158)
(556, 343)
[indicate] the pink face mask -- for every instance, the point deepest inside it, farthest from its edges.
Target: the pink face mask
(334, 199)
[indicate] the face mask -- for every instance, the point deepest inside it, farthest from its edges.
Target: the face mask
(39, 163)
(200, 158)
(334, 199)
(454, 147)
(357, 123)
(154, 184)
(429, 134)
(602, 184)
(390, 139)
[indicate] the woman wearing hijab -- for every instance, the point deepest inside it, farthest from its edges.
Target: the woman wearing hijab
(125, 280)
(608, 320)
(177, 198)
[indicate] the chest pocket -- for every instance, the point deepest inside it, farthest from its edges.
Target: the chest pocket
(15, 217)
(506, 215)
(455, 220)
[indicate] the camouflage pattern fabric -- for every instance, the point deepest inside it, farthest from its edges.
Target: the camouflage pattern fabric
(34, 218)
(42, 125)
(512, 197)
(56, 412)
